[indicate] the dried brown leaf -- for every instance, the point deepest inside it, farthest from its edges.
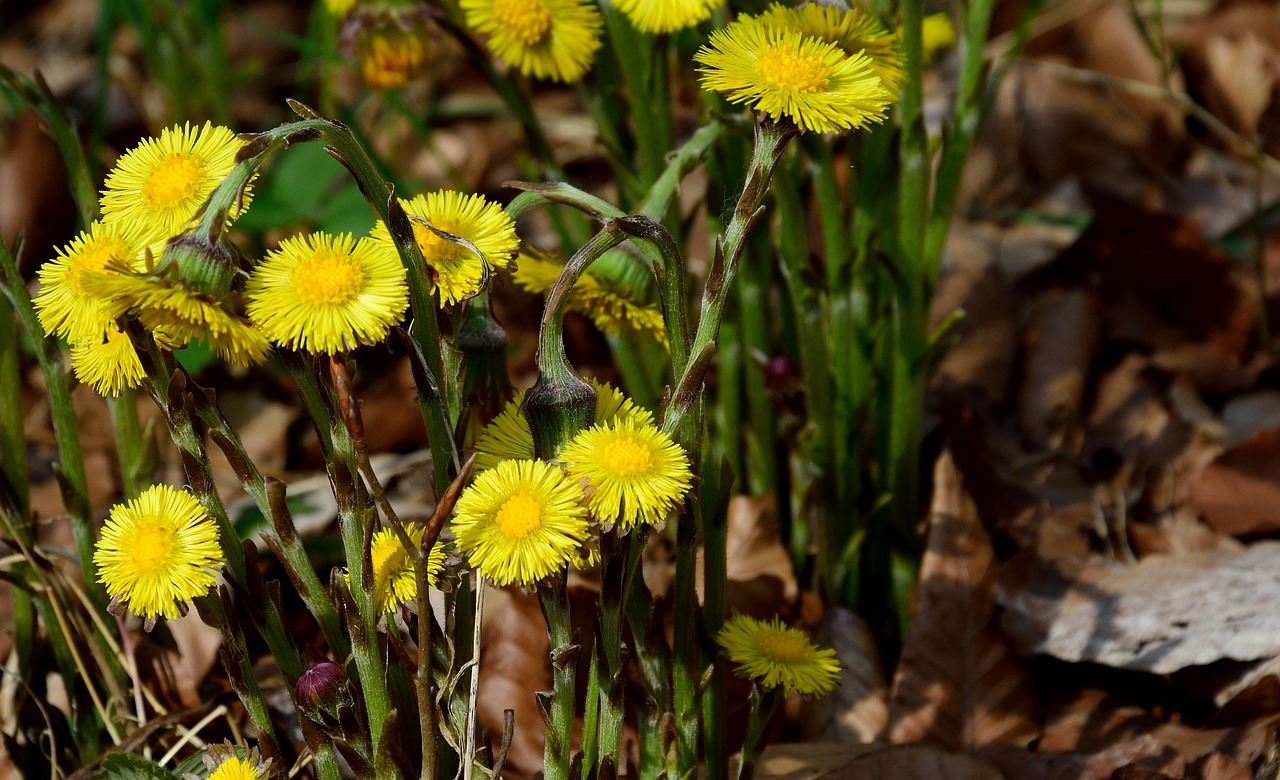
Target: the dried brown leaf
(824, 761)
(1239, 492)
(857, 711)
(1060, 340)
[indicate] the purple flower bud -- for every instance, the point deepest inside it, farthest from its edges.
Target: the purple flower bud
(320, 685)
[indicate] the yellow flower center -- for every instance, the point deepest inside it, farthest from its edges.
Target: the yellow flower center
(792, 69)
(528, 21)
(235, 769)
(93, 259)
(520, 516)
(173, 180)
(436, 251)
(784, 646)
(152, 546)
(627, 457)
(332, 278)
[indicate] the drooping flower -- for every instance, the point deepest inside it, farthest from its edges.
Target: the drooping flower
(937, 34)
(158, 552)
(635, 472)
(509, 437)
(157, 186)
(520, 522)
(854, 31)
(610, 306)
(548, 39)
(665, 16)
(454, 269)
(326, 294)
(64, 306)
(789, 76)
(778, 656)
(394, 579)
(109, 364)
(176, 315)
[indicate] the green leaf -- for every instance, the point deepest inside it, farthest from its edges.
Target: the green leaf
(196, 357)
(126, 766)
(251, 520)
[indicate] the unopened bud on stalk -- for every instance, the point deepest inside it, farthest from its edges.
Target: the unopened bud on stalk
(205, 266)
(320, 690)
(557, 409)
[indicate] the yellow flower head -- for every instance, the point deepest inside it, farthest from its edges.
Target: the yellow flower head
(65, 307)
(455, 270)
(109, 364)
(549, 39)
(508, 437)
(938, 35)
(665, 16)
(521, 522)
(636, 473)
(235, 769)
(223, 764)
(394, 579)
(787, 75)
(326, 294)
(852, 30)
(158, 551)
(177, 316)
(609, 306)
(158, 185)
(778, 656)
(339, 7)
(391, 51)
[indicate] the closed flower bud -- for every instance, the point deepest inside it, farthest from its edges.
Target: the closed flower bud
(320, 689)
(205, 267)
(557, 409)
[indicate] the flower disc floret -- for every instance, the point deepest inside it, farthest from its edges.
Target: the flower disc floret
(778, 656)
(548, 39)
(158, 552)
(666, 16)
(790, 76)
(454, 269)
(65, 307)
(157, 186)
(326, 294)
(636, 473)
(521, 522)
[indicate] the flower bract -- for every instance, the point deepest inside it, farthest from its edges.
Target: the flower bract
(520, 522)
(65, 307)
(157, 186)
(777, 656)
(664, 16)
(109, 363)
(509, 437)
(789, 76)
(548, 39)
(636, 473)
(157, 552)
(326, 294)
(454, 269)
(394, 579)
(852, 30)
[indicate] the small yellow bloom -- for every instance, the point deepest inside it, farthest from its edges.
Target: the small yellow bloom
(665, 16)
(636, 473)
(326, 294)
(65, 307)
(177, 316)
(108, 364)
(852, 30)
(608, 305)
(938, 35)
(391, 51)
(394, 579)
(508, 437)
(455, 270)
(548, 39)
(235, 769)
(223, 764)
(339, 7)
(778, 656)
(156, 187)
(521, 522)
(157, 552)
(787, 75)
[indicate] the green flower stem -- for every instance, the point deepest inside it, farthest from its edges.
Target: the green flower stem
(564, 656)
(764, 704)
(591, 726)
(136, 465)
(75, 489)
(716, 488)
(753, 289)
(552, 361)
(686, 671)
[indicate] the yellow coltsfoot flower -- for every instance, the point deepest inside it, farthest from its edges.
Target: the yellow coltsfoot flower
(455, 270)
(854, 31)
(391, 47)
(789, 76)
(222, 763)
(109, 364)
(609, 306)
(157, 186)
(326, 294)
(777, 656)
(521, 522)
(548, 39)
(64, 306)
(938, 35)
(394, 579)
(635, 472)
(665, 16)
(158, 552)
(509, 437)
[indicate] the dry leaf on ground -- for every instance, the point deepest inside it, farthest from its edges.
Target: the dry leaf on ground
(824, 761)
(1060, 340)
(857, 711)
(1239, 492)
